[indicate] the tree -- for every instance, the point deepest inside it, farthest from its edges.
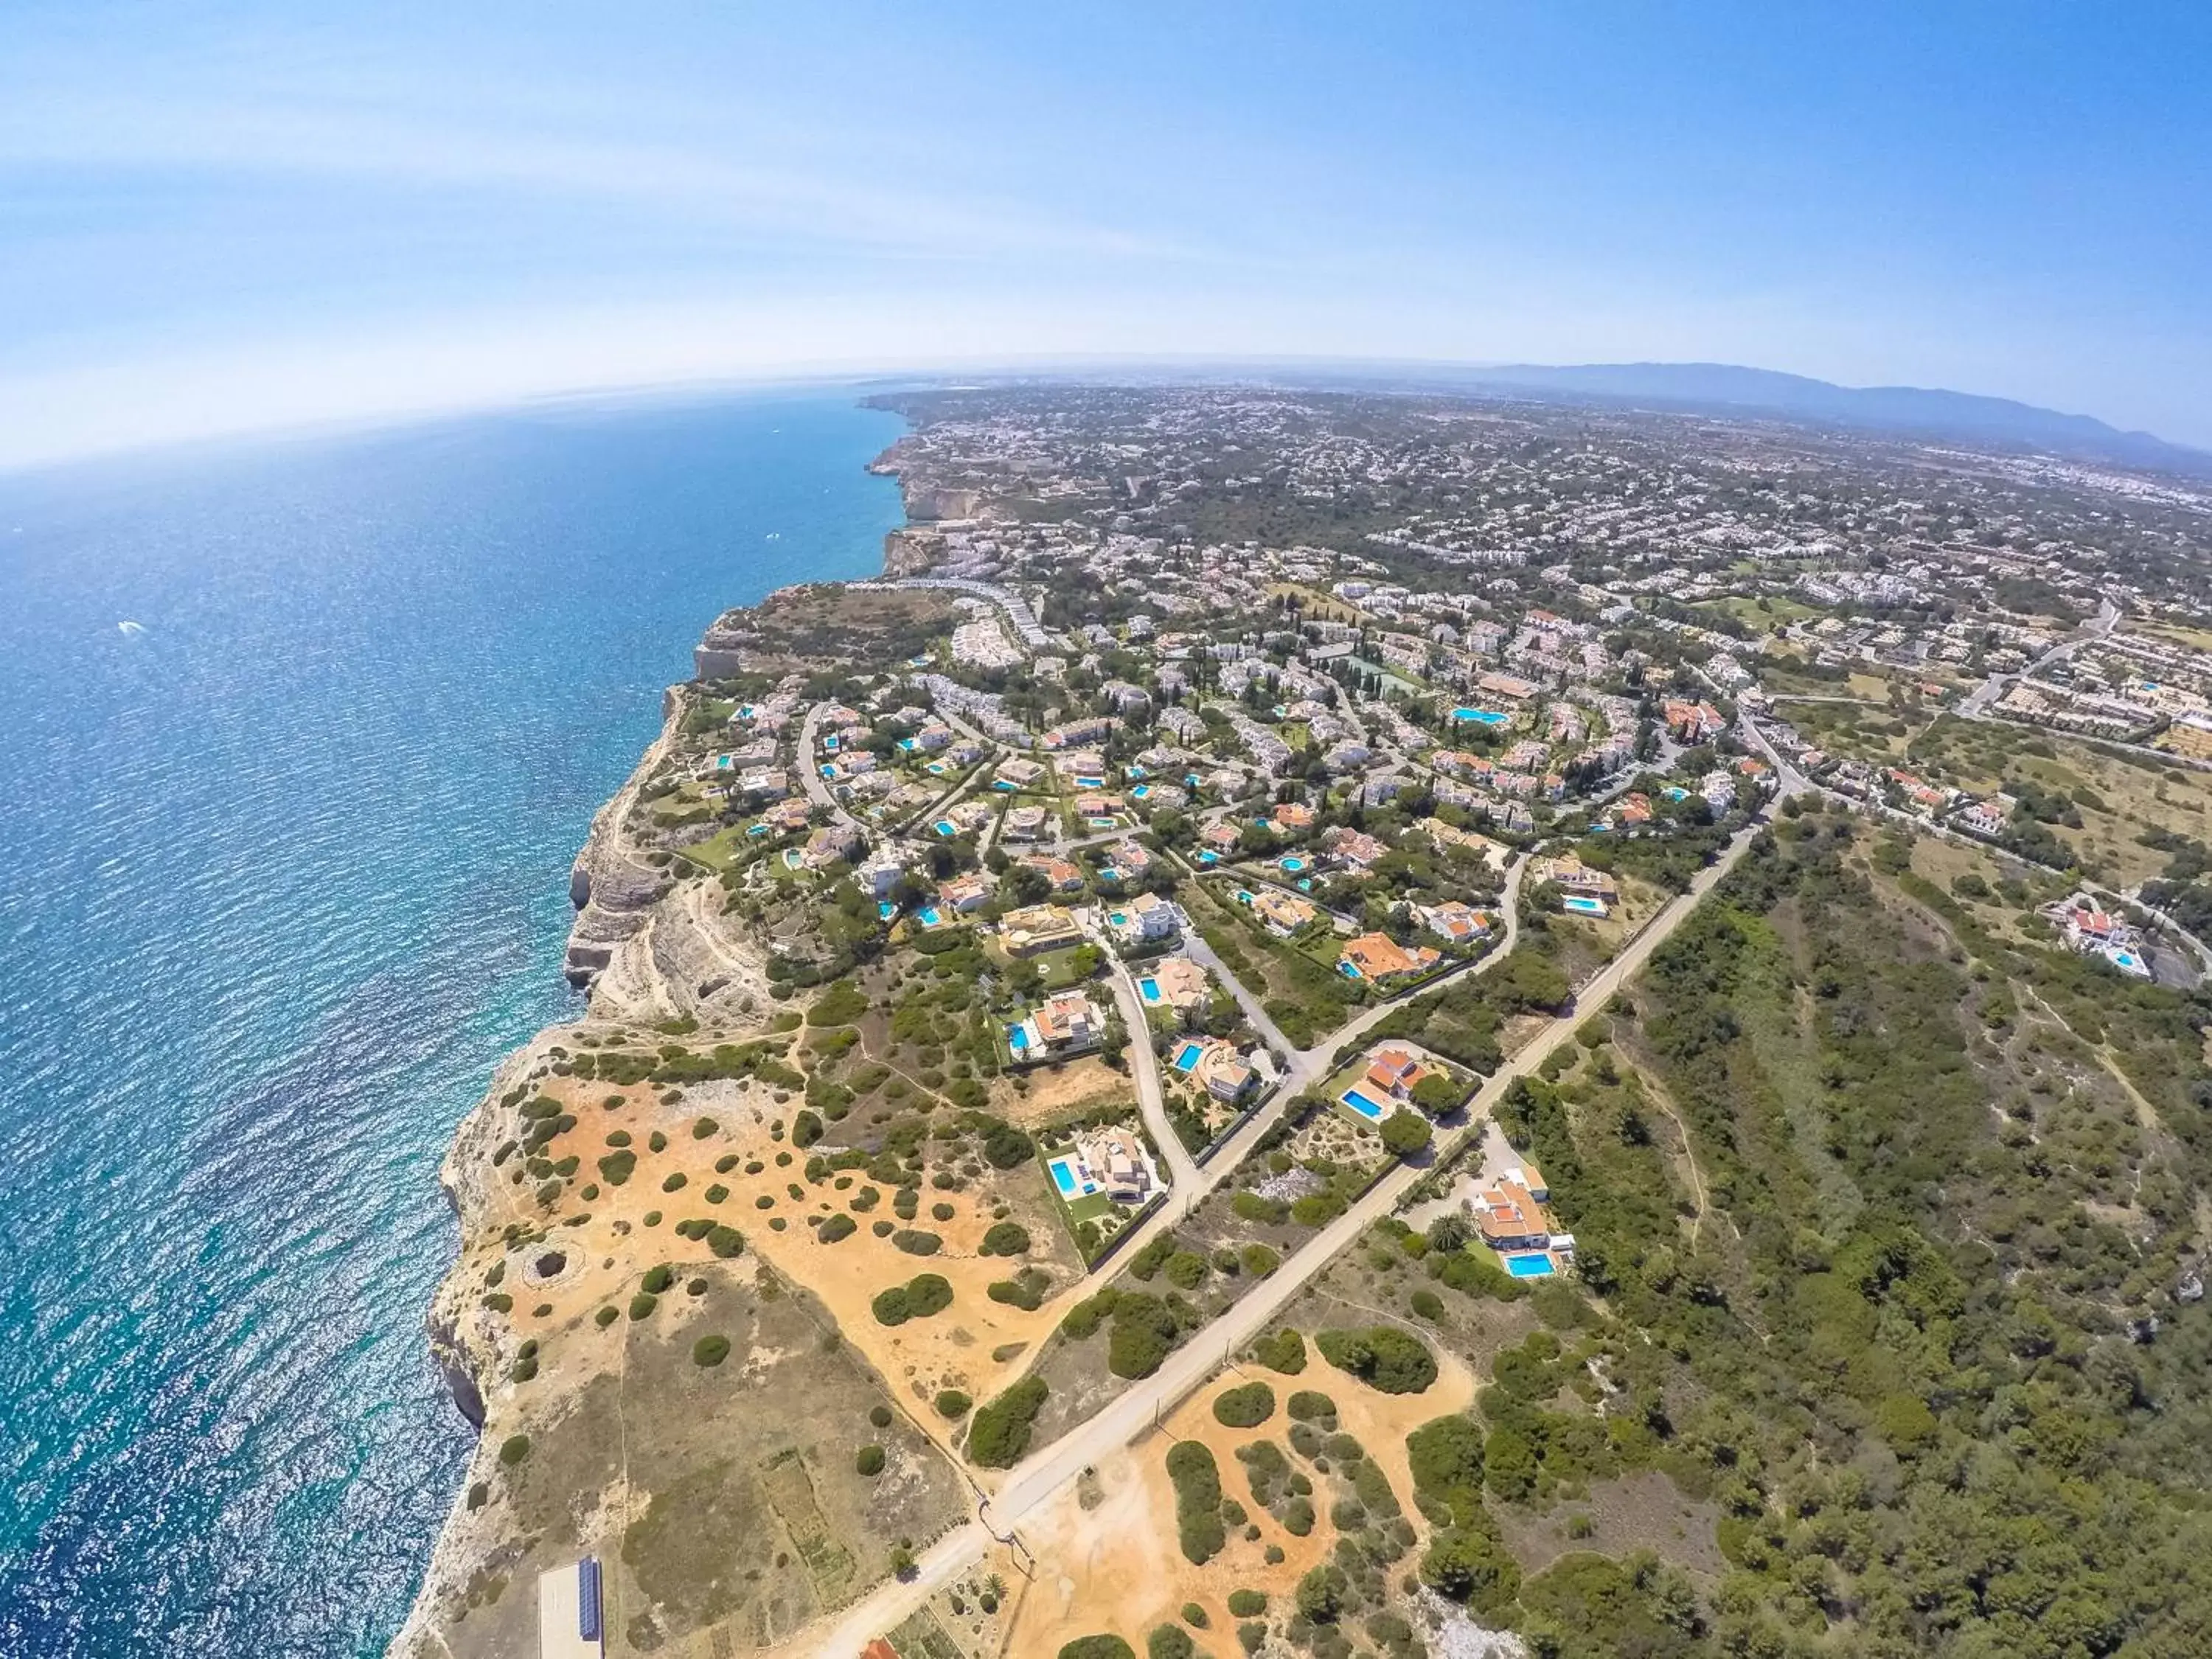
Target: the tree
(1406, 1134)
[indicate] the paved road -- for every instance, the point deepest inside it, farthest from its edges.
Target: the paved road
(1037, 1479)
(1145, 1068)
(1994, 687)
(1796, 782)
(810, 768)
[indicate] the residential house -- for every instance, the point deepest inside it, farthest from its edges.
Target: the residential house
(1145, 919)
(1035, 928)
(1378, 956)
(1283, 914)
(1454, 921)
(965, 893)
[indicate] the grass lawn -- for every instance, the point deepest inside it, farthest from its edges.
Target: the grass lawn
(719, 851)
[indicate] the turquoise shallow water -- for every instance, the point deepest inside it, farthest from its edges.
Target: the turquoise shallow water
(281, 878)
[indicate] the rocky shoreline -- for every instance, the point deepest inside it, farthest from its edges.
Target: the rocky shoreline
(646, 951)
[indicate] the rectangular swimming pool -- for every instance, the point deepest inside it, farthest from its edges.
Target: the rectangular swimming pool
(1482, 716)
(1148, 988)
(1188, 1057)
(1529, 1267)
(1583, 905)
(1360, 1103)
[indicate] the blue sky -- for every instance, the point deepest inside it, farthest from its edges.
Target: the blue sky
(217, 217)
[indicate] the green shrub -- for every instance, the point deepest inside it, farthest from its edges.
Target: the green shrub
(891, 1307)
(710, 1349)
(806, 1129)
(725, 1242)
(880, 1416)
(915, 1241)
(928, 1293)
(1298, 1516)
(1186, 1270)
(869, 1461)
(1259, 1260)
(606, 1317)
(703, 1128)
(657, 1280)
(514, 1450)
(1428, 1304)
(1085, 1318)
(1251, 1206)
(616, 1167)
(1000, 1432)
(1309, 1405)
(643, 1305)
(1383, 1357)
(1169, 1642)
(1097, 1647)
(1197, 1482)
(656, 1142)
(1007, 1238)
(952, 1404)
(835, 1227)
(1246, 1603)
(1283, 1351)
(1244, 1407)
(1145, 1333)
(676, 1182)
(1445, 1457)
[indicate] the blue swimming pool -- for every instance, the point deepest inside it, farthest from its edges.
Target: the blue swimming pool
(906, 744)
(829, 745)
(1001, 785)
(1209, 856)
(1349, 969)
(1583, 905)
(885, 909)
(1100, 824)
(1292, 863)
(1150, 989)
(1188, 1057)
(1090, 783)
(1141, 791)
(1480, 716)
(1360, 1103)
(930, 916)
(1064, 1176)
(1529, 1267)
(945, 828)
(1017, 1039)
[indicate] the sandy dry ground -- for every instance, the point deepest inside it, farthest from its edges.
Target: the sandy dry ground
(606, 1256)
(1055, 1092)
(1115, 1565)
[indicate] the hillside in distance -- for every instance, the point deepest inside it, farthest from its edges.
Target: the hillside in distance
(1887, 407)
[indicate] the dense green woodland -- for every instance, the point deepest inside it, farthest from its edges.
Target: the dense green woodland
(1930, 1347)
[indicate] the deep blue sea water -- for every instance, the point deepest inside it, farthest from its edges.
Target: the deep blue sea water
(280, 878)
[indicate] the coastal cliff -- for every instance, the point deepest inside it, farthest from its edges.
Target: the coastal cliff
(591, 1403)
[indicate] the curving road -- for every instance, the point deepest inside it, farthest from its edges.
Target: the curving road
(1035, 1481)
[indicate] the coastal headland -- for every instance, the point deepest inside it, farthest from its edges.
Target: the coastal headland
(1242, 1050)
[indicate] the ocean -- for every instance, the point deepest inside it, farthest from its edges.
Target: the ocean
(283, 872)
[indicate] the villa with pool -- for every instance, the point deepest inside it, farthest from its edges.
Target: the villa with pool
(1067, 1023)
(1177, 984)
(1213, 1065)
(1378, 957)
(1510, 1216)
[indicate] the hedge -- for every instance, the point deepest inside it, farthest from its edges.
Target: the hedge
(1197, 1500)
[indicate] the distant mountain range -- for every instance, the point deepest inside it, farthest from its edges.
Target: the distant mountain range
(1726, 387)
